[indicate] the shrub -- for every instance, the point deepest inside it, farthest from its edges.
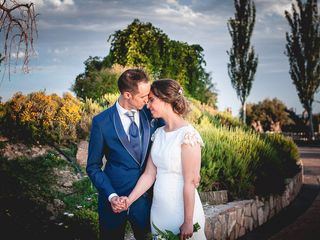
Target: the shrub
(89, 108)
(41, 117)
(108, 99)
(287, 153)
(244, 162)
(67, 117)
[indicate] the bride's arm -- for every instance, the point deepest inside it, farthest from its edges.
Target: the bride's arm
(145, 181)
(191, 161)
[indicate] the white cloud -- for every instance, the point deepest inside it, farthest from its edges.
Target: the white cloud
(59, 5)
(271, 7)
(184, 14)
(172, 1)
(58, 51)
(92, 27)
(19, 55)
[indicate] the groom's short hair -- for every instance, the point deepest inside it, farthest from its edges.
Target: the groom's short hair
(129, 80)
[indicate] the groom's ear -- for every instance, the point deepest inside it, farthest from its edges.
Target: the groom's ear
(127, 95)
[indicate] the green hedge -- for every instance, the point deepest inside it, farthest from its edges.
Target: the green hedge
(245, 162)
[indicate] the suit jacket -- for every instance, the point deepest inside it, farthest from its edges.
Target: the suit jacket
(122, 169)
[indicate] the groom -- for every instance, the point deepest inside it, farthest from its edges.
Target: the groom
(122, 134)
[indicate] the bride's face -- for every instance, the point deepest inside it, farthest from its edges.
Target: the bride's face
(156, 106)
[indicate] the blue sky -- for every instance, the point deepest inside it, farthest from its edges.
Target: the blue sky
(72, 30)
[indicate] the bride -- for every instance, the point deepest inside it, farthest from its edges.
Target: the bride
(173, 165)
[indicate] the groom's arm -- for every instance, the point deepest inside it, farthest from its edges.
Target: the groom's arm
(94, 162)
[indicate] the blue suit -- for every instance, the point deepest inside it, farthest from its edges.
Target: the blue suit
(122, 169)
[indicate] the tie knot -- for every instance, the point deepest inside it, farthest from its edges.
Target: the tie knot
(130, 114)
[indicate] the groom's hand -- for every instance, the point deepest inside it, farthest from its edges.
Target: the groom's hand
(117, 204)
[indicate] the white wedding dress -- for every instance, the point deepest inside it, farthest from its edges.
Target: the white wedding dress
(167, 210)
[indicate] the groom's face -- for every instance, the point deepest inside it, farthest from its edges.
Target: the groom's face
(140, 97)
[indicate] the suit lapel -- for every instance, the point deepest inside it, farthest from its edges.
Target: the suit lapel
(144, 123)
(122, 134)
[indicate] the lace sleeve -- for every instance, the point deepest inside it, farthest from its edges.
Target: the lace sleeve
(192, 137)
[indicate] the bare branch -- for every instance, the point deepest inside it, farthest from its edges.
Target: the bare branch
(18, 28)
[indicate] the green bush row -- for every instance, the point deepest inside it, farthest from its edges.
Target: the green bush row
(245, 162)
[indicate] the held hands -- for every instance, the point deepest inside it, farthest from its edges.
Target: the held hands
(120, 204)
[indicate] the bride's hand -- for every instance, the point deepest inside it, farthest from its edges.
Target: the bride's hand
(126, 201)
(186, 230)
(197, 181)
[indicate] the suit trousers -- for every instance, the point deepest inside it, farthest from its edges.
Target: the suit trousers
(119, 232)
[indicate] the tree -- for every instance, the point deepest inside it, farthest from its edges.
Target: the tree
(96, 81)
(271, 115)
(143, 45)
(18, 29)
(243, 62)
(140, 44)
(303, 51)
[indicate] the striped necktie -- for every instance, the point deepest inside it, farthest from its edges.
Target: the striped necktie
(134, 135)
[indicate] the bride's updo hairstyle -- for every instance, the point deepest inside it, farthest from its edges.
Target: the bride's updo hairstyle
(171, 92)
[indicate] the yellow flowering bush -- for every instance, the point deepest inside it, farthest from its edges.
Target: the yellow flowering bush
(67, 117)
(42, 117)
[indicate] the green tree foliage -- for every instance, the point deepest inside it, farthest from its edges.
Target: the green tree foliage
(303, 51)
(96, 81)
(271, 114)
(142, 44)
(243, 62)
(139, 45)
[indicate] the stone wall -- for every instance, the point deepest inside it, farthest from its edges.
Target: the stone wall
(214, 197)
(234, 219)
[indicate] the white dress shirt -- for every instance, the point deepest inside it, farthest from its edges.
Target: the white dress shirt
(125, 120)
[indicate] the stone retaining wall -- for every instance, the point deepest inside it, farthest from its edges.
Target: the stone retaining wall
(214, 197)
(234, 219)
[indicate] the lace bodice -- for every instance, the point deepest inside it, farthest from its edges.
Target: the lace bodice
(188, 133)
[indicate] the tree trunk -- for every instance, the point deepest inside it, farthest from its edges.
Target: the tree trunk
(244, 110)
(311, 131)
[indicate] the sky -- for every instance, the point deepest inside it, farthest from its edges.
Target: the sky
(70, 31)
